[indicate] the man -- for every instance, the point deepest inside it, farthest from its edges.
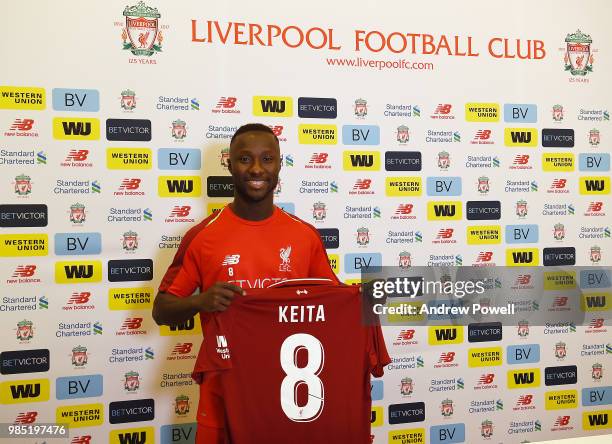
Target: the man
(250, 243)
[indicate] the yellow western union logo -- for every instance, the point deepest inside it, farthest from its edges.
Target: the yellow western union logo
(484, 234)
(558, 162)
(272, 106)
(68, 128)
(484, 357)
(563, 399)
(13, 245)
(521, 137)
(143, 435)
(442, 210)
(130, 298)
(398, 312)
(334, 262)
(179, 186)
(215, 207)
(403, 186)
(482, 112)
(407, 436)
(79, 271)
(376, 417)
(361, 160)
(559, 280)
(83, 415)
(595, 185)
(29, 390)
(595, 301)
(318, 134)
(445, 334)
(516, 257)
(22, 97)
(527, 377)
(129, 159)
(191, 326)
(598, 419)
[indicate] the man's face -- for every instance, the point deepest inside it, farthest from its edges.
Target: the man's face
(254, 164)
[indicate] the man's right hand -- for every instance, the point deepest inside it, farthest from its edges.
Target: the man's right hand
(217, 297)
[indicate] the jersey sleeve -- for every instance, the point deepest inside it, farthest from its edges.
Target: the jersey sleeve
(377, 351)
(183, 276)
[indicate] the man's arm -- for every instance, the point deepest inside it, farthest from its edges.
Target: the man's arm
(169, 309)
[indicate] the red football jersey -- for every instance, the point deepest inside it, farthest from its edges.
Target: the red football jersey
(295, 365)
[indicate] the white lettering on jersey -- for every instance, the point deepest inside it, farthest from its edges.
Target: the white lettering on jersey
(256, 283)
(231, 259)
(301, 313)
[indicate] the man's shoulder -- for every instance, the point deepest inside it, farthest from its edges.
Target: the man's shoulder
(294, 224)
(202, 227)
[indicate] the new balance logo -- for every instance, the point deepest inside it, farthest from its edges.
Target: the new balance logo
(79, 298)
(486, 379)
(362, 184)
(182, 348)
(485, 256)
(24, 271)
(22, 125)
(523, 279)
(524, 400)
(77, 155)
(231, 259)
(447, 357)
(277, 129)
(404, 209)
(560, 301)
(81, 439)
(131, 324)
(445, 233)
(595, 207)
(443, 108)
(405, 335)
(226, 102)
(130, 184)
(178, 211)
(319, 158)
(558, 183)
(521, 159)
(596, 323)
(482, 135)
(26, 418)
(562, 421)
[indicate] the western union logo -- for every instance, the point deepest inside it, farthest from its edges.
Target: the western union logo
(83, 415)
(516, 257)
(484, 357)
(75, 272)
(527, 377)
(22, 97)
(522, 137)
(361, 160)
(14, 245)
(440, 210)
(558, 162)
(559, 280)
(442, 335)
(376, 417)
(334, 262)
(215, 207)
(129, 159)
(482, 112)
(484, 234)
(29, 390)
(399, 312)
(595, 185)
(563, 399)
(130, 298)
(189, 327)
(408, 436)
(318, 134)
(179, 186)
(595, 301)
(65, 128)
(144, 435)
(272, 106)
(598, 419)
(403, 186)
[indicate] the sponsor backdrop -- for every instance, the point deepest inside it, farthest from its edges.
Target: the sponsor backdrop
(437, 134)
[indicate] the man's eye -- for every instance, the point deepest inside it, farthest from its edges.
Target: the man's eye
(244, 158)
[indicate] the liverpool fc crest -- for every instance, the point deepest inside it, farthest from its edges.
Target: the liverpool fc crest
(141, 30)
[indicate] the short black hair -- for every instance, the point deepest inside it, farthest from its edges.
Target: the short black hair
(253, 127)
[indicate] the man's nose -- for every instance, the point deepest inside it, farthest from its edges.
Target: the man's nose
(256, 167)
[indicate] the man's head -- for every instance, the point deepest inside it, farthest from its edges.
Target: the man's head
(254, 162)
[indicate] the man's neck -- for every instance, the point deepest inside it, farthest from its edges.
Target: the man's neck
(254, 211)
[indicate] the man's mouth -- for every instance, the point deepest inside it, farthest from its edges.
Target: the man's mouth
(256, 184)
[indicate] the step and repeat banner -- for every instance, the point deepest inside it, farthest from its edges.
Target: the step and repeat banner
(463, 134)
